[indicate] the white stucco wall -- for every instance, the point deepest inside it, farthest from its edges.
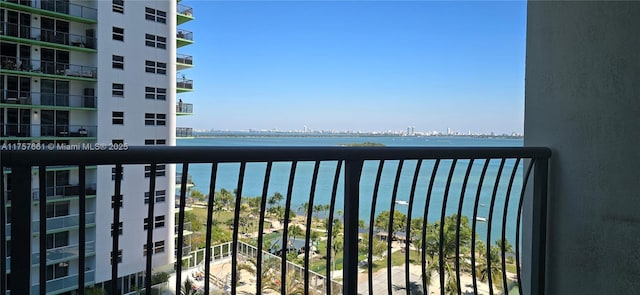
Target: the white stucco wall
(583, 101)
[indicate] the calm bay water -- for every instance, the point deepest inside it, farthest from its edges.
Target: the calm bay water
(254, 177)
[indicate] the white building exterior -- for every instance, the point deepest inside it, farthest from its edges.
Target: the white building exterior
(86, 72)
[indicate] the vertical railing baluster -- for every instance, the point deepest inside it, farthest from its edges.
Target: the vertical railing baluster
(42, 202)
(426, 273)
(21, 230)
(115, 229)
(441, 241)
(236, 226)
(539, 223)
(82, 222)
(390, 230)
(414, 184)
(376, 188)
(458, 221)
(183, 200)
(263, 205)
(353, 172)
(3, 233)
(312, 194)
(332, 203)
(504, 225)
(525, 181)
(207, 243)
(490, 223)
(150, 224)
(285, 230)
(474, 222)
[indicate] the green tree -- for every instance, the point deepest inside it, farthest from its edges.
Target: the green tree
(399, 222)
(197, 195)
(188, 288)
(295, 231)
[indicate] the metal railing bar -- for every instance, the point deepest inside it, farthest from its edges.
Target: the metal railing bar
(150, 226)
(236, 218)
(263, 206)
(42, 182)
(285, 230)
(183, 201)
(332, 204)
(394, 196)
(82, 221)
(376, 189)
(525, 181)
(353, 171)
(3, 236)
(434, 171)
(539, 224)
(458, 221)
(504, 225)
(20, 231)
(414, 184)
(441, 257)
(115, 229)
(490, 223)
(474, 222)
(193, 154)
(210, 204)
(312, 194)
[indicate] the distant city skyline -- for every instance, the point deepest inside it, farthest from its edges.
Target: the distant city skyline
(358, 65)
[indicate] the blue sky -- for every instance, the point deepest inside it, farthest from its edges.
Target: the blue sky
(357, 65)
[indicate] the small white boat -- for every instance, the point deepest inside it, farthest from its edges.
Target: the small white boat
(481, 219)
(400, 202)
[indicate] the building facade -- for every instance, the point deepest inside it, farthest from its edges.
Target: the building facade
(80, 73)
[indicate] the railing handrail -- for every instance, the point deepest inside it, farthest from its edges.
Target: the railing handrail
(194, 154)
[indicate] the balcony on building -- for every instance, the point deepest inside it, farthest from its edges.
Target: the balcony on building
(183, 109)
(184, 14)
(184, 85)
(183, 37)
(48, 37)
(184, 132)
(184, 61)
(62, 9)
(48, 69)
(25, 131)
(26, 99)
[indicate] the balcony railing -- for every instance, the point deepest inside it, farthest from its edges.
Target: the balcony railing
(47, 35)
(60, 222)
(63, 283)
(443, 202)
(185, 108)
(184, 59)
(63, 253)
(184, 84)
(60, 6)
(185, 10)
(184, 132)
(47, 99)
(47, 67)
(46, 130)
(184, 34)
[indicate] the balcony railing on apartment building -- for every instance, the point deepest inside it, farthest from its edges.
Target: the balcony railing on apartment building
(184, 13)
(47, 35)
(184, 34)
(184, 84)
(184, 108)
(184, 60)
(60, 6)
(13, 63)
(184, 132)
(447, 200)
(47, 99)
(46, 130)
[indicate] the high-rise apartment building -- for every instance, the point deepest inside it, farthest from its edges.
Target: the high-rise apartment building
(95, 72)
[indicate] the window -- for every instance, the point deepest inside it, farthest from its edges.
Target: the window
(160, 170)
(117, 62)
(119, 227)
(118, 6)
(155, 15)
(118, 34)
(117, 118)
(155, 67)
(155, 119)
(57, 209)
(119, 257)
(155, 93)
(156, 142)
(57, 270)
(159, 221)
(113, 201)
(117, 90)
(155, 41)
(113, 173)
(158, 247)
(57, 240)
(160, 196)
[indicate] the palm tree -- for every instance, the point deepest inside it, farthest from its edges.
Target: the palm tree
(188, 288)
(496, 267)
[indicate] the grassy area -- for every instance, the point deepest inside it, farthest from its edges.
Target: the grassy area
(397, 258)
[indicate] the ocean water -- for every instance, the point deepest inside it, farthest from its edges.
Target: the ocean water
(254, 178)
